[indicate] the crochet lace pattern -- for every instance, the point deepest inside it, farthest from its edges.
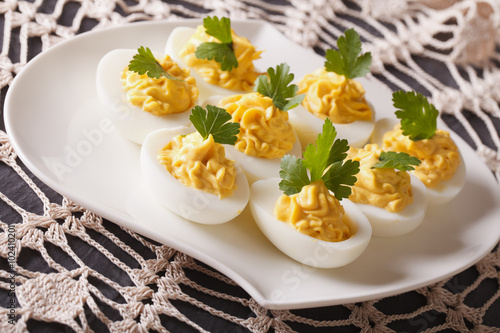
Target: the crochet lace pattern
(457, 38)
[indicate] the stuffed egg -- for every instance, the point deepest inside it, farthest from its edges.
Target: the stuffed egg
(333, 96)
(182, 43)
(394, 201)
(265, 134)
(306, 214)
(332, 92)
(336, 241)
(435, 153)
(192, 177)
(138, 104)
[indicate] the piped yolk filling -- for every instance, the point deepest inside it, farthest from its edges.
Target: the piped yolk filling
(240, 78)
(200, 164)
(264, 129)
(334, 96)
(314, 212)
(161, 96)
(439, 156)
(385, 188)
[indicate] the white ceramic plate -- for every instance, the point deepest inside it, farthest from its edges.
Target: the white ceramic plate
(56, 126)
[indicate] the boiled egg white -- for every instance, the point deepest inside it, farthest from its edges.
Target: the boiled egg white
(256, 168)
(175, 42)
(130, 120)
(308, 126)
(190, 203)
(440, 194)
(300, 247)
(390, 224)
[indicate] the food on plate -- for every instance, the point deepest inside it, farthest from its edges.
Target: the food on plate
(394, 201)
(331, 92)
(264, 129)
(382, 180)
(217, 54)
(307, 222)
(189, 172)
(265, 133)
(141, 92)
(160, 87)
(442, 169)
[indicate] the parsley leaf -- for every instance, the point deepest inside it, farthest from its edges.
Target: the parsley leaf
(220, 29)
(418, 116)
(340, 176)
(276, 85)
(347, 60)
(400, 161)
(144, 62)
(293, 175)
(215, 121)
(316, 156)
(222, 52)
(325, 161)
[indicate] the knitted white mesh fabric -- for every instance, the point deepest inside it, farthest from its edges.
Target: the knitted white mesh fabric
(460, 36)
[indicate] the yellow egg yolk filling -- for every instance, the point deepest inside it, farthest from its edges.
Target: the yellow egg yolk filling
(334, 96)
(200, 164)
(385, 188)
(240, 78)
(264, 129)
(314, 212)
(439, 156)
(161, 96)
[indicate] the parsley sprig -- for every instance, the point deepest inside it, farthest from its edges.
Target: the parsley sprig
(396, 160)
(276, 85)
(222, 52)
(347, 60)
(144, 62)
(215, 121)
(418, 116)
(325, 161)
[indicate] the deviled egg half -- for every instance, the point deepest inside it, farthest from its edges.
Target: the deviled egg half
(393, 200)
(442, 168)
(227, 68)
(137, 103)
(301, 214)
(265, 134)
(189, 172)
(331, 92)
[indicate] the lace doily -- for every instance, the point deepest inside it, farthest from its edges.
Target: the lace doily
(146, 286)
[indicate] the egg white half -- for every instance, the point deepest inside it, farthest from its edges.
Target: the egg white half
(190, 203)
(256, 168)
(130, 120)
(308, 126)
(389, 224)
(175, 42)
(300, 247)
(444, 192)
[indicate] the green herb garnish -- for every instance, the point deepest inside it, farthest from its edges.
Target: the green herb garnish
(215, 121)
(325, 161)
(418, 116)
(347, 61)
(144, 62)
(276, 85)
(222, 52)
(399, 161)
